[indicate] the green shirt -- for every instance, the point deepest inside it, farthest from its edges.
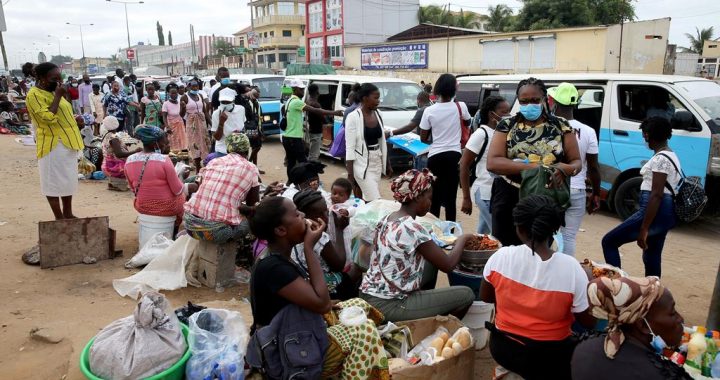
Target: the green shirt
(295, 108)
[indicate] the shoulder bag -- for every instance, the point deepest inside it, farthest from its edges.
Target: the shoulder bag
(690, 198)
(464, 128)
(478, 157)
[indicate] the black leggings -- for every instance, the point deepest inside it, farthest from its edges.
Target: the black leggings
(294, 152)
(445, 167)
(532, 359)
(502, 202)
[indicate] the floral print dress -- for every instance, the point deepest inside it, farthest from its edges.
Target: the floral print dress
(396, 268)
(153, 108)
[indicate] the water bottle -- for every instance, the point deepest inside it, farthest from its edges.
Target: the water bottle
(715, 367)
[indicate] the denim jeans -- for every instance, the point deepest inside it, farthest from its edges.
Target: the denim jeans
(484, 216)
(573, 218)
(420, 162)
(315, 144)
(628, 232)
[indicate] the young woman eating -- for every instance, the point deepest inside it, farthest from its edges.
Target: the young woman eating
(399, 264)
(537, 293)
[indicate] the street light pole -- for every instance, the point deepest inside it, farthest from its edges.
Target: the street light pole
(127, 25)
(82, 43)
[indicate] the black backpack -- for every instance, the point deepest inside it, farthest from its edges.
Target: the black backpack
(473, 166)
(690, 199)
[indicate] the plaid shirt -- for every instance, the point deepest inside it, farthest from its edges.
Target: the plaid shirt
(225, 184)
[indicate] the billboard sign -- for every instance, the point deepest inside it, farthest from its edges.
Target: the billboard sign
(388, 57)
(130, 54)
(252, 40)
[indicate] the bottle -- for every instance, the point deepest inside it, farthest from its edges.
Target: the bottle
(709, 355)
(696, 348)
(715, 367)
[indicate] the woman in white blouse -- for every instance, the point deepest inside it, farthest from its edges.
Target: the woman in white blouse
(365, 147)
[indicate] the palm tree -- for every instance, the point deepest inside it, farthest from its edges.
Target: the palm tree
(697, 41)
(469, 20)
(499, 17)
(435, 15)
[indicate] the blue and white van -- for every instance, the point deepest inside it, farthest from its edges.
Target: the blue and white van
(270, 87)
(615, 105)
(398, 101)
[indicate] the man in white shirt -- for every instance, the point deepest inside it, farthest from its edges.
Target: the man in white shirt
(223, 80)
(563, 100)
(227, 119)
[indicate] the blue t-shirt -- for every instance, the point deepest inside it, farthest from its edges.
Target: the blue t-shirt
(116, 104)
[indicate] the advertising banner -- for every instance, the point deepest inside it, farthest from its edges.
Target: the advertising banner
(388, 57)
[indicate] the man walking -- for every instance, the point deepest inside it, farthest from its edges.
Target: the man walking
(84, 91)
(223, 77)
(131, 118)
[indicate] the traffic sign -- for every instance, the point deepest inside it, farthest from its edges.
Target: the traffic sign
(130, 54)
(301, 51)
(241, 50)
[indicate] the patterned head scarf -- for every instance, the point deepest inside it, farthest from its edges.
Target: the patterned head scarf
(148, 134)
(411, 184)
(622, 301)
(237, 143)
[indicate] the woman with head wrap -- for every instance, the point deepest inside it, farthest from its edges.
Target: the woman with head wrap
(152, 177)
(115, 153)
(306, 175)
(537, 293)
(642, 321)
(399, 264)
(229, 183)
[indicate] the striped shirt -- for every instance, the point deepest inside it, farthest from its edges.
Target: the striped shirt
(536, 299)
(226, 182)
(52, 127)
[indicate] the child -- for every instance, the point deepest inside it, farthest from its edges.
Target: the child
(91, 152)
(344, 205)
(9, 119)
(96, 107)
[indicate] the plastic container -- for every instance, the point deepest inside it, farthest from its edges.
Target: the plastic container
(479, 313)
(150, 225)
(459, 277)
(176, 372)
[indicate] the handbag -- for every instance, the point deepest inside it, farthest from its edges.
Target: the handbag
(690, 198)
(536, 181)
(464, 128)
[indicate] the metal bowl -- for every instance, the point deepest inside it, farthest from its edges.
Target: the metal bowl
(476, 258)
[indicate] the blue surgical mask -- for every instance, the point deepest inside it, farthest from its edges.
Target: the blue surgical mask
(657, 342)
(531, 112)
(194, 92)
(225, 81)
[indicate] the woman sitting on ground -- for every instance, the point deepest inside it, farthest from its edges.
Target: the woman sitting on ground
(332, 256)
(152, 177)
(642, 321)
(537, 295)
(277, 282)
(404, 250)
(228, 184)
(305, 175)
(114, 154)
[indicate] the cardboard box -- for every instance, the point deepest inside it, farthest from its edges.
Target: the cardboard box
(216, 262)
(459, 367)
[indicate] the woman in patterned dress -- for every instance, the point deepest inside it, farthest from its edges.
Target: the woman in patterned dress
(171, 112)
(195, 111)
(151, 108)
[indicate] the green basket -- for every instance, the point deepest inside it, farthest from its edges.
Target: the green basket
(176, 372)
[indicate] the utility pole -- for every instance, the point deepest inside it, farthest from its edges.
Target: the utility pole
(3, 28)
(622, 19)
(447, 44)
(127, 27)
(82, 43)
(252, 29)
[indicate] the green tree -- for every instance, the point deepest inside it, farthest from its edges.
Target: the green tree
(697, 41)
(608, 12)
(225, 48)
(60, 59)
(169, 38)
(499, 18)
(469, 20)
(548, 14)
(435, 15)
(161, 36)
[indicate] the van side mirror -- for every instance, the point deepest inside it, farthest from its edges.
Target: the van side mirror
(598, 96)
(684, 120)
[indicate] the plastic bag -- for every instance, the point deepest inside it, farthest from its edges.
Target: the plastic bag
(445, 233)
(141, 345)
(423, 352)
(154, 247)
(218, 339)
(396, 340)
(85, 167)
(166, 271)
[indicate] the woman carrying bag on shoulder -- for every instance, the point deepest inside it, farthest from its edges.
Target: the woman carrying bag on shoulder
(366, 156)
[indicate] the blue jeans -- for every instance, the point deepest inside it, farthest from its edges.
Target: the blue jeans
(484, 217)
(573, 218)
(420, 162)
(628, 232)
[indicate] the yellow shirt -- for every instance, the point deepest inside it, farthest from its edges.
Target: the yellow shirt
(52, 127)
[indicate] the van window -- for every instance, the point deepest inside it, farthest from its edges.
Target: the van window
(327, 95)
(639, 102)
(398, 96)
(346, 88)
(590, 107)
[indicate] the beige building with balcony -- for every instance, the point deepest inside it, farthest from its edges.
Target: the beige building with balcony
(280, 27)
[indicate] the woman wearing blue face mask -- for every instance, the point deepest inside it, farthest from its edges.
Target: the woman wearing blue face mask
(642, 321)
(530, 138)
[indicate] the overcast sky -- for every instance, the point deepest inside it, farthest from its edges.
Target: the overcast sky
(29, 22)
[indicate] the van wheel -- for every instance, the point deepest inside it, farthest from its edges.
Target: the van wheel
(627, 197)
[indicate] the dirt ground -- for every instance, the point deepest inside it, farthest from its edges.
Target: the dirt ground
(74, 302)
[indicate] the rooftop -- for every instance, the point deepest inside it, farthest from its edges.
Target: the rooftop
(428, 30)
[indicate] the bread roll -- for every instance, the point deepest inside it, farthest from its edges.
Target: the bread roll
(457, 348)
(464, 338)
(437, 344)
(449, 343)
(444, 336)
(447, 353)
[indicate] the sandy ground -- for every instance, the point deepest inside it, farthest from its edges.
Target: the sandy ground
(74, 302)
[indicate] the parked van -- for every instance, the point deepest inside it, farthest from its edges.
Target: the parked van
(615, 105)
(270, 87)
(398, 101)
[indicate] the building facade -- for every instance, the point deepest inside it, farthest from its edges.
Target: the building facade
(709, 63)
(332, 24)
(280, 28)
(178, 58)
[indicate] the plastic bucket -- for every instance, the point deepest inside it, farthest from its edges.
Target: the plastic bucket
(151, 225)
(176, 372)
(479, 313)
(471, 280)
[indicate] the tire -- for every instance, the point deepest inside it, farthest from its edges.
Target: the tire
(627, 197)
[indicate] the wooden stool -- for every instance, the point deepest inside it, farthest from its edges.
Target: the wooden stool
(216, 262)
